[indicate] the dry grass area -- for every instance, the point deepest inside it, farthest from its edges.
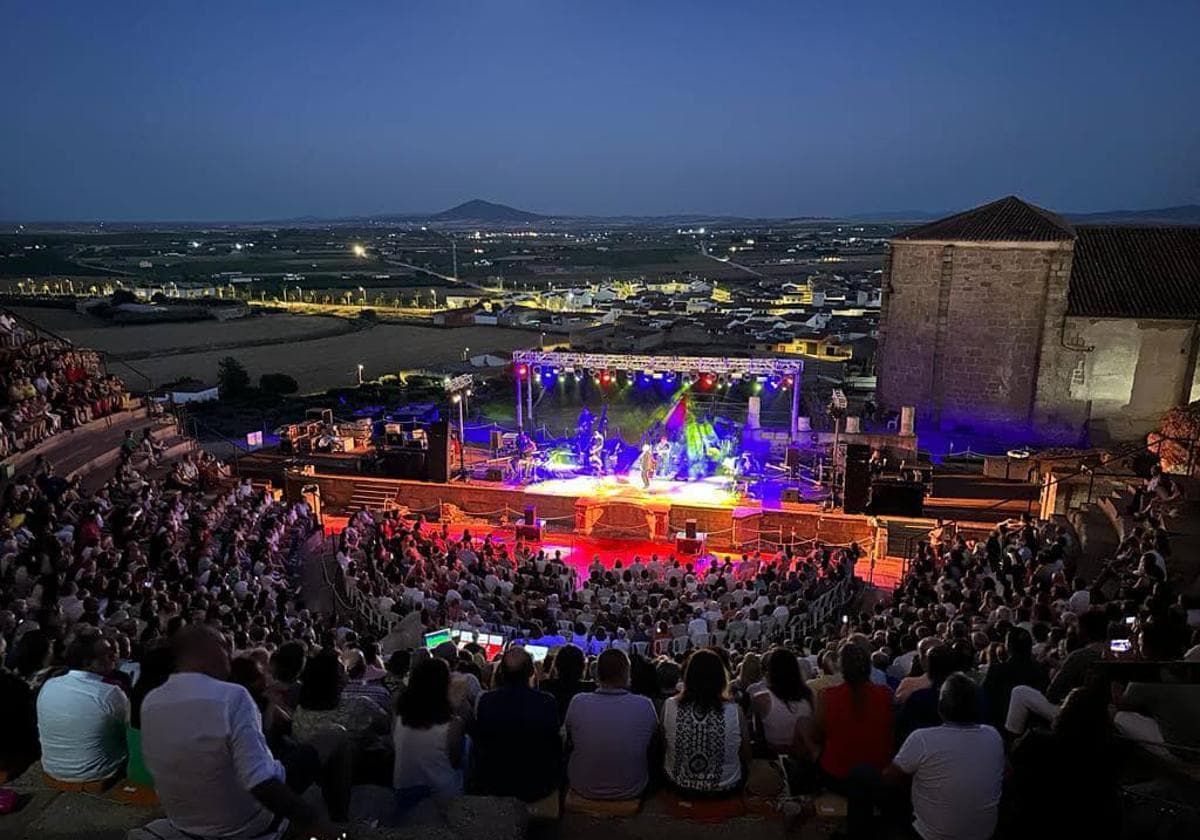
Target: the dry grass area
(142, 339)
(327, 362)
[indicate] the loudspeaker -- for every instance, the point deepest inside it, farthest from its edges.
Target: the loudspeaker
(857, 453)
(439, 452)
(856, 486)
(494, 474)
(689, 529)
(791, 494)
(897, 498)
(530, 515)
(496, 440)
(791, 458)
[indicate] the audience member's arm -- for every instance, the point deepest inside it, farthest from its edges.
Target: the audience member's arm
(455, 741)
(907, 760)
(744, 751)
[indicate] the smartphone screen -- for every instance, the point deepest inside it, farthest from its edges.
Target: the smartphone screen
(1120, 646)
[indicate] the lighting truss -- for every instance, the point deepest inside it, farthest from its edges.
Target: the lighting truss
(763, 366)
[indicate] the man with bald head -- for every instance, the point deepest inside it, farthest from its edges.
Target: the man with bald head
(203, 742)
(517, 748)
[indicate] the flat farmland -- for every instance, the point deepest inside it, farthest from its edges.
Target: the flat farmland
(301, 346)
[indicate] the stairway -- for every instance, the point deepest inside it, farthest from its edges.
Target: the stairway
(372, 495)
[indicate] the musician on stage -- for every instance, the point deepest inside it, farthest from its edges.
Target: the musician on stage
(647, 465)
(596, 453)
(524, 459)
(662, 456)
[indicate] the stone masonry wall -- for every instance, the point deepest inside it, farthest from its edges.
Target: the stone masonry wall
(965, 329)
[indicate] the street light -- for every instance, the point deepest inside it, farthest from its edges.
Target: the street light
(363, 292)
(360, 370)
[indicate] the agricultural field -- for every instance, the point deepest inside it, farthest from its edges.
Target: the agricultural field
(300, 346)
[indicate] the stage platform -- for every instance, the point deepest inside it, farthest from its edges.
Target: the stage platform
(713, 491)
(600, 508)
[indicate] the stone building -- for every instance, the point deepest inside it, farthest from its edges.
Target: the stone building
(1008, 320)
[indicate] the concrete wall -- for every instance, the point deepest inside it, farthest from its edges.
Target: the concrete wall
(1129, 374)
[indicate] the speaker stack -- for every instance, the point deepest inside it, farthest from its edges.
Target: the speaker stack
(856, 478)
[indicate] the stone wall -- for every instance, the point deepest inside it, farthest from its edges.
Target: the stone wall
(964, 329)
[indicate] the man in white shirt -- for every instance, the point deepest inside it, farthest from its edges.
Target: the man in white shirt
(203, 742)
(698, 625)
(81, 718)
(957, 768)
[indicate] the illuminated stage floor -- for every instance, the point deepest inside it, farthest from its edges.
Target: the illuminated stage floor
(713, 491)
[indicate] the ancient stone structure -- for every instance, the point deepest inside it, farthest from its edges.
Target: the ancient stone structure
(1008, 320)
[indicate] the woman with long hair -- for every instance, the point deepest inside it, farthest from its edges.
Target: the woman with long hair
(429, 739)
(853, 722)
(785, 706)
(706, 735)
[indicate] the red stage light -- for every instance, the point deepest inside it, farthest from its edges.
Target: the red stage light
(522, 370)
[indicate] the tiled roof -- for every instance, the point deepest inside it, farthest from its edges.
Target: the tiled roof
(1007, 220)
(1135, 272)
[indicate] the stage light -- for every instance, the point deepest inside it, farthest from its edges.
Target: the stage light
(787, 382)
(521, 370)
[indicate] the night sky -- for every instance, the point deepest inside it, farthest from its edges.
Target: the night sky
(254, 110)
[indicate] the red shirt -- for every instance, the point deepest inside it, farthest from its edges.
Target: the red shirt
(856, 734)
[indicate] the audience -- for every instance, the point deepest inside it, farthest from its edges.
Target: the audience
(610, 732)
(515, 734)
(82, 715)
(706, 736)
(429, 738)
(203, 741)
(957, 768)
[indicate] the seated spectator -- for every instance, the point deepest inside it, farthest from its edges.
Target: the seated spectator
(1074, 761)
(785, 706)
(957, 768)
(464, 687)
(82, 716)
(921, 709)
(853, 723)
(1018, 667)
(429, 738)
(203, 742)
(323, 704)
(566, 678)
(515, 734)
(609, 735)
(156, 666)
(706, 736)
(326, 761)
(357, 684)
(1075, 669)
(19, 734)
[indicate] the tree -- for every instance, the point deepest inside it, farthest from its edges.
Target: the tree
(277, 383)
(232, 377)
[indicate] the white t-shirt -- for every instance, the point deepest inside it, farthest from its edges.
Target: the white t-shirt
(81, 723)
(957, 772)
(203, 742)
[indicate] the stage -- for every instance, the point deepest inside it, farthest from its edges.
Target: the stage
(714, 491)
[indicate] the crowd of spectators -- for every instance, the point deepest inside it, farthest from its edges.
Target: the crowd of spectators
(48, 386)
(153, 631)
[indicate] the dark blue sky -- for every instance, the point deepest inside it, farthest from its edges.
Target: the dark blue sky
(243, 110)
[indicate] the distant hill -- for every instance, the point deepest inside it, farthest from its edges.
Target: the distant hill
(478, 210)
(1185, 214)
